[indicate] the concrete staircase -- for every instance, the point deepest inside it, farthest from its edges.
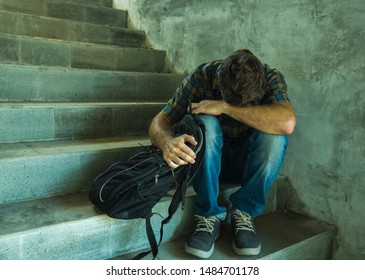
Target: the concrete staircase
(77, 92)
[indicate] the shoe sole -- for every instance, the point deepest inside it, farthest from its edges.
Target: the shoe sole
(246, 251)
(199, 253)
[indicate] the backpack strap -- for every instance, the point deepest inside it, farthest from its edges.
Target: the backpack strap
(151, 239)
(179, 196)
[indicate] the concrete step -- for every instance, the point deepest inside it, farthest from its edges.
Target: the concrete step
(103, 3)
(32, 83)
(43, 169)
(33, 170)
(54, 121)
(25, 50)
(70, 10)
(70, 227)
(46, 27)
(284, 236)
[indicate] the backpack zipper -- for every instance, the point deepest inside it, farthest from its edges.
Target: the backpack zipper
(156, 178)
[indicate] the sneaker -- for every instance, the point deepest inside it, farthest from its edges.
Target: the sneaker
(245, 239)
(201, 243)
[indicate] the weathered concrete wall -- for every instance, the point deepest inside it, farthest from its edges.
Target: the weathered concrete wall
(318, 45)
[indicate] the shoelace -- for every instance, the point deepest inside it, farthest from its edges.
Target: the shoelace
(205, 224)
(243, 221)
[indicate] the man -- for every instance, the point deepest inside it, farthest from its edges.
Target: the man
(245, 108)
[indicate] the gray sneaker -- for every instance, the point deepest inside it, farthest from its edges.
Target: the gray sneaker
(245, 239)
(201, 243)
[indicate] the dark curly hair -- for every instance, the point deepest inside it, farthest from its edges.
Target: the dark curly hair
(241, 79)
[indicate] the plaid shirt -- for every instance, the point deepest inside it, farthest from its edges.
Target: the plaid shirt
(202, 84)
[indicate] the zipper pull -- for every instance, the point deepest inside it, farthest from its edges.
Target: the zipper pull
(156, 178)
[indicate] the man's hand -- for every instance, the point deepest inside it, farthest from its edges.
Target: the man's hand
(209, 107)
(176, 152)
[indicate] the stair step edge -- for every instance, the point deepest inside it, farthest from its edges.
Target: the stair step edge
(50, 105)
(15, 151)
(68, 239)
(77, 43)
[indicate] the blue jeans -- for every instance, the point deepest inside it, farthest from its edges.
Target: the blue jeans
(253, 164)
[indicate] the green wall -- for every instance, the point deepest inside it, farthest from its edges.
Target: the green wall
(319, 46)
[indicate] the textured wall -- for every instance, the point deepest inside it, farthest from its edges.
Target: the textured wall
(318, 45)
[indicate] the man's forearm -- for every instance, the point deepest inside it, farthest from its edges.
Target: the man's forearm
(272, 119)
(160, 130)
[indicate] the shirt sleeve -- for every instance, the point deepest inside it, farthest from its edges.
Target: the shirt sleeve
(276, 87)
(189, 88)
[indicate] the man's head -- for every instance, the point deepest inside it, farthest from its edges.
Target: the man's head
(241, 78)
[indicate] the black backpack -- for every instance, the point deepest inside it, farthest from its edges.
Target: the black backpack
(130, 188)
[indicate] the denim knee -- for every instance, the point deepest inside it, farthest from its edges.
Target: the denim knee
(213, 132)
(271, 146)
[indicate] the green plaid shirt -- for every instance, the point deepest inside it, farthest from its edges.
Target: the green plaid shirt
(202, 84)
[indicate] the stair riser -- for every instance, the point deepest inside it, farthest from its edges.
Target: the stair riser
(99, 237)
(71, 173)
(31, 51)
(40, 176)
(27, 25)
(103, 3)
(67, 10)
(319, 247)
(31, 124)
(53, 84)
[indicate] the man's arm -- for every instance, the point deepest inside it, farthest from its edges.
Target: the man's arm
(174, 149)
(278, 118)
